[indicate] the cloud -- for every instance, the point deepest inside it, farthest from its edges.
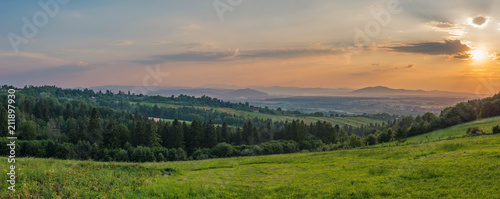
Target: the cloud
(448, 47)
(455, 31)
(479, 20)
(439, 24)
(124, 43)
(160, 43)
(463, 56)
(291, 53)
(190, 56)
(196, 45)
(201, 56)
(382, 69)
(26, 60)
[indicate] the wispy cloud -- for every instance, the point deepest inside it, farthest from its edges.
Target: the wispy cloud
(203, 56)
(160, 43)
(124, 43)
(291, 53)
(382, 69)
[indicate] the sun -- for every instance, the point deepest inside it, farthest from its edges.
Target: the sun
(478, 54)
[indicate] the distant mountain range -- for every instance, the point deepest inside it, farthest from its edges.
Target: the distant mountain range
(220, 93)
(259, 93)
(381, 91)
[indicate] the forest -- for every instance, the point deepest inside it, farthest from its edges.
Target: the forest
(83, 124)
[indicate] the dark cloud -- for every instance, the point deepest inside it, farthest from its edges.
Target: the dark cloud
(448, 47)
(409, 66)
(479, 20)
(463, 56)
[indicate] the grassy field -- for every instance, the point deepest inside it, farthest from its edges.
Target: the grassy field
(459, 130)
(459, 168)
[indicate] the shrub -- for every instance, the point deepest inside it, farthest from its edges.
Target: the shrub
(496, 129)
(246, 152)
(474, 131)
(223, 150)
(355, 141)
(160, 158)
(371, 140)
(121, 156)
(201, 154)
(180, 154)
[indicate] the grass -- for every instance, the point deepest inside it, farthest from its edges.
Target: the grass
(458, 168)
(459, 130)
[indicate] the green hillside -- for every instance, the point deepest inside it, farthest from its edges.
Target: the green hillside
(353, 121)
(486, 125)
(459, 168)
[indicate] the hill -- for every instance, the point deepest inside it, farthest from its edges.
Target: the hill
(486, 125)
(460, 168)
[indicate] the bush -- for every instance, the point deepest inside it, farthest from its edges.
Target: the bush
(371, 140)
(160, 158)
(474, 131)
(246, 152)
(355, 141)
(32, 149)
(121, 156)
(143, 154)
(201, 154)
(180, 155)
(223, 150)
(496, 129)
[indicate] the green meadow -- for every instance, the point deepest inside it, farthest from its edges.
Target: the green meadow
(468, 167)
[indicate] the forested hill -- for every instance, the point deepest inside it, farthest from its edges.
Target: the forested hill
(83, 124)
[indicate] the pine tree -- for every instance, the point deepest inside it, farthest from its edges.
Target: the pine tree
(95, 127)
(3, 122)
(195, 136)
(224, 133)
(138, 134)
(108, 133)
(154, 139)
(210, 135)
(177, 135)
(71, 129)
(123, 135)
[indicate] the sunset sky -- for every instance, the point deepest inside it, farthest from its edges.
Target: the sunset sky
(419, 44)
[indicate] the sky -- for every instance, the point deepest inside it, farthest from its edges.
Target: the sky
(430, 45)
